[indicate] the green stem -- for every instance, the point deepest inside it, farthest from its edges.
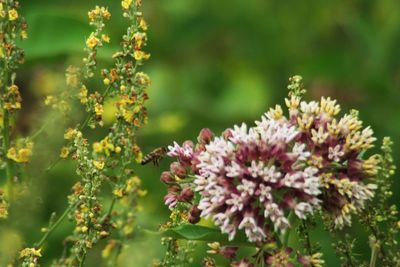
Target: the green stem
(374, 255)
(54, 226)
(38, 132)
(82, 261)
(111, 206)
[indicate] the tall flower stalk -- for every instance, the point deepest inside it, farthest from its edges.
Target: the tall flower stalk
(108, 162)
(12, 28)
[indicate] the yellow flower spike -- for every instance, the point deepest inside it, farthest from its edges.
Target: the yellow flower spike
(12, 14)
(92, 41)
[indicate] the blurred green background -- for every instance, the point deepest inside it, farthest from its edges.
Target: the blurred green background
(214, 63)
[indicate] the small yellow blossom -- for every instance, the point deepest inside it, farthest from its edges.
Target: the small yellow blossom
(70, 134)
(143, 24)
(92, 41)
(12, 14)
(98, 164)
(140, 55)
(83, 92)
(20, 155)
(103, 146)
(64, 152)
(99, 12)
(119, 192)
(24, 154)
(28, 252)
(105, 38)
(24, 34)
(98, 109)
(106, 81)
(126, 3)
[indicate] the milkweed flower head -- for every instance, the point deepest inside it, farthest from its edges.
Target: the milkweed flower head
(254, 177)
(250, 178)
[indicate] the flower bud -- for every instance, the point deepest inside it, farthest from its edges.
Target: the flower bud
(205, 136)
(227, 134)
(194, 214)
(177, 169)
(174, 189)
(186, 195)
(166, 177)
(228, 252)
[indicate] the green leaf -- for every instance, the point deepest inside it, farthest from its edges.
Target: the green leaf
(202, 233)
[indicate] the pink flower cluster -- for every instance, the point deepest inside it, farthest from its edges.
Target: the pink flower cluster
(251, 178)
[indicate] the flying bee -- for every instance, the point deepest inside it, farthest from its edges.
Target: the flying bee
(155, 156)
